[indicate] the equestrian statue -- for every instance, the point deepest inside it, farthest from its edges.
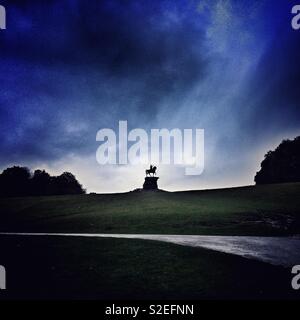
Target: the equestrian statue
(151, 170)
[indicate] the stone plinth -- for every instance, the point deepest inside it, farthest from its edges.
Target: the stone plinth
(150, 183)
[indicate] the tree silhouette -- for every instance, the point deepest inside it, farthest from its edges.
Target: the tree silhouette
(282, 164)
(17, 181)
(41, 183)
(66, 183)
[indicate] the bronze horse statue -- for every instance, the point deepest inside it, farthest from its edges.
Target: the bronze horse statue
(151, 170)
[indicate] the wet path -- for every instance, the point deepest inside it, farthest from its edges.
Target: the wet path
(283, 251)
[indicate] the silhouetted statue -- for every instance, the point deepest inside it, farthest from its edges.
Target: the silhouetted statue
(150, 181)
(151, 170)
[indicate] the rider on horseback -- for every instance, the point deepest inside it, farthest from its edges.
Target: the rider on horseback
(151, 170)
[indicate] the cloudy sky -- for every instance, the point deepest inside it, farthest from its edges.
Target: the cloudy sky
(71, 67)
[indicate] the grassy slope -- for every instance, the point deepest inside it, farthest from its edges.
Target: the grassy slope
(118, 268)
(86, 268)
(259, 210)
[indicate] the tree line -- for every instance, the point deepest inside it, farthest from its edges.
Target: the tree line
(282, 164)
(19, 181)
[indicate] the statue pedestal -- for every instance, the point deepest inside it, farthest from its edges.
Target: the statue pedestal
(150, 183)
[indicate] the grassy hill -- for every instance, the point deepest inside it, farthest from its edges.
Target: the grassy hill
(53, 267)
(254, 210)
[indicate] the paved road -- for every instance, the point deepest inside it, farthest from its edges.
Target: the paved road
(283, 251)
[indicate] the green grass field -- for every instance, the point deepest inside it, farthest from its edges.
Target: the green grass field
(258, 210)
(83, 268)
(46, 267)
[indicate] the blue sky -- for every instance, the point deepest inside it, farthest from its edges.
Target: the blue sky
(69, 68)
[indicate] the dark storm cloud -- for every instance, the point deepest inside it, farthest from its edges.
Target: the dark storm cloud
(280, 75)
(271, 102)
(122, 38)
(90, 63)
(71, 67)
